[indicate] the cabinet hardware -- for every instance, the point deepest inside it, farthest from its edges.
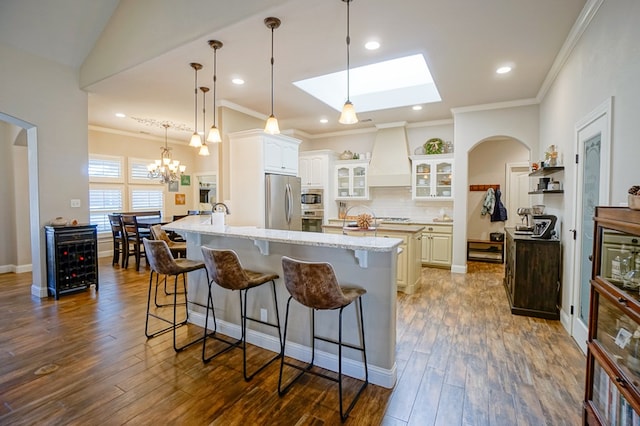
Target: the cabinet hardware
(622, 301)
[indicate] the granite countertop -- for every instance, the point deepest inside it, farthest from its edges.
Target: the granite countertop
(201, 225)
(403, 227)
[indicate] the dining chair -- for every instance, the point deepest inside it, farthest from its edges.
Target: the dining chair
(133, 237)
(119, 244)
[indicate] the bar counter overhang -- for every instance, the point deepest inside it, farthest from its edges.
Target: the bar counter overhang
(368, 262)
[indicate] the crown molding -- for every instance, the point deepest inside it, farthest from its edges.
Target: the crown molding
(579, 27)
(496, 105)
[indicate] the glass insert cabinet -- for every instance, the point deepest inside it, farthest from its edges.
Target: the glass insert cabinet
(612, 391)
(432, 177)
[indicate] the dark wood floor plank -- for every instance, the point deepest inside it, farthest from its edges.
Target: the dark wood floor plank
(462, 358)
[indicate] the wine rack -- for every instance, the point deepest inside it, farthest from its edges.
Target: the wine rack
(72, 259)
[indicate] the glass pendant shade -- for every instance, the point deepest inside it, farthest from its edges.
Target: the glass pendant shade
(196, 140)
(348, 115)
(204, 150)
(272, 126)
(214, 135)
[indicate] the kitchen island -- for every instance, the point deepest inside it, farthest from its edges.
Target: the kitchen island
(408, 276)
(368, 262)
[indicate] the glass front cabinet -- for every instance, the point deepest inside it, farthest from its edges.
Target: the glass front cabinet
(351, 180)
(432, 177)
(612, 391)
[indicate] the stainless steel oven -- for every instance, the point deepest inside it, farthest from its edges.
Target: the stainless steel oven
(312, 199)
(312, 220)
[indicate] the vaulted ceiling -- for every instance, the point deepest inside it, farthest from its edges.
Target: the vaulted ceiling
(462, 41)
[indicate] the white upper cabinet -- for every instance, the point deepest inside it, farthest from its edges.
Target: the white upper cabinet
(432, 177)
(351, 180)
(280, 155)
(314, 170)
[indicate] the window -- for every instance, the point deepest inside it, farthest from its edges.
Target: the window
(146, 198)
(106, 168)
(104, 200)
(138, 172)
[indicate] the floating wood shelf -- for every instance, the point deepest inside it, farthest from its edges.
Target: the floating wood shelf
(544, 171)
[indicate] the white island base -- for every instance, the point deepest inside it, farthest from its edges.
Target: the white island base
(368, 262)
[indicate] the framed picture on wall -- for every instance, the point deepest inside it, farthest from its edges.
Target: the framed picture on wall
(181, 199)
(174, 186)
(185, 180)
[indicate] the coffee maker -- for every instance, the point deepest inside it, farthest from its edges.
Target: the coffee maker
(527, 226)
(544, 226)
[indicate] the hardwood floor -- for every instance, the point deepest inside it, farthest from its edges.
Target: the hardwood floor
(462, 359)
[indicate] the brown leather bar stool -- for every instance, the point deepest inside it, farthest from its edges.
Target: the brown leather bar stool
(314, 285)
(224, 268)
(161, 262)
(178, 249)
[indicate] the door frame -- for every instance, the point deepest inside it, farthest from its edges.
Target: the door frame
(510, 171)
(598, 121)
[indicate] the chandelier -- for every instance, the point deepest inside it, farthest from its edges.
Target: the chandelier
(166, 169)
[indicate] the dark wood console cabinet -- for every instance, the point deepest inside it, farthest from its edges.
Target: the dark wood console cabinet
(72, 258)
(532, 275)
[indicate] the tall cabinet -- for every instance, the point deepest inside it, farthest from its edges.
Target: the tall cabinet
(612, 391)
(252, 154)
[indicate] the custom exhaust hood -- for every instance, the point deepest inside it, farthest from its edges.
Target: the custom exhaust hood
(390, 165)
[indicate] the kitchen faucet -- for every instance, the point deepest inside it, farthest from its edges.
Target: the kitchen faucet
(226, 209)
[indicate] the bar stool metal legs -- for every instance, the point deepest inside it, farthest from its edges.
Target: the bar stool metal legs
(224, 268)
(162, 262)
(314, 285)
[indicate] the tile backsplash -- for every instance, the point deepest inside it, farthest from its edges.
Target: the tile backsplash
(397, 202)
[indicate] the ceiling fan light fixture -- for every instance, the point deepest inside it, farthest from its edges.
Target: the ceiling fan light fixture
(271, 126)
(195, 141)
(348, 115)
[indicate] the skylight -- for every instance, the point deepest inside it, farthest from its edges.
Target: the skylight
(389, 84)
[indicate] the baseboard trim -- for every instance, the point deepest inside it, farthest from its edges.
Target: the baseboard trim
(18, 269)
(352, 368)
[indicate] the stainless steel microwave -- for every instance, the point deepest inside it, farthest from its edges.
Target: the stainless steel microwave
(312, 199)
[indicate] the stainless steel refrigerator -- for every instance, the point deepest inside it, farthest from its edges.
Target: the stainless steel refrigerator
(283, 204)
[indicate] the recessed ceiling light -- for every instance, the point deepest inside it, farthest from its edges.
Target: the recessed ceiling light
(372, 45)
(237, 81)
(416, 107)
(324, 120)
(120, 115)
(503, 70)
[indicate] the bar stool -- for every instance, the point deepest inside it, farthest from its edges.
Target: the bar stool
(224, 268)
(161, 262)
(314, 285)
(178, 249)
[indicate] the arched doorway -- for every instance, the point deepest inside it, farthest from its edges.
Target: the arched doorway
(39, 285)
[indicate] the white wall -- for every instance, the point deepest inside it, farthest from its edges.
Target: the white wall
(472, 127)
(605, 63)
(46, 95)
(487, 164)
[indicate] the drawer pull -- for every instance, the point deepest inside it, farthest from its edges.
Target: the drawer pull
(621, 381)
(634, 241)
(622, 301)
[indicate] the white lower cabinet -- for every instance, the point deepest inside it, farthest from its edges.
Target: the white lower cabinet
(437, 245)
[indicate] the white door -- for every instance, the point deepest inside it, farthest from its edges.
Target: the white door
(592, 189)
(517, 191)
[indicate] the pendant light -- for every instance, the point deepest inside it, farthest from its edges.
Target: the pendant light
(214, 133)
(195, 141)
(271, 126)
(204, 149)
(348, 115)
